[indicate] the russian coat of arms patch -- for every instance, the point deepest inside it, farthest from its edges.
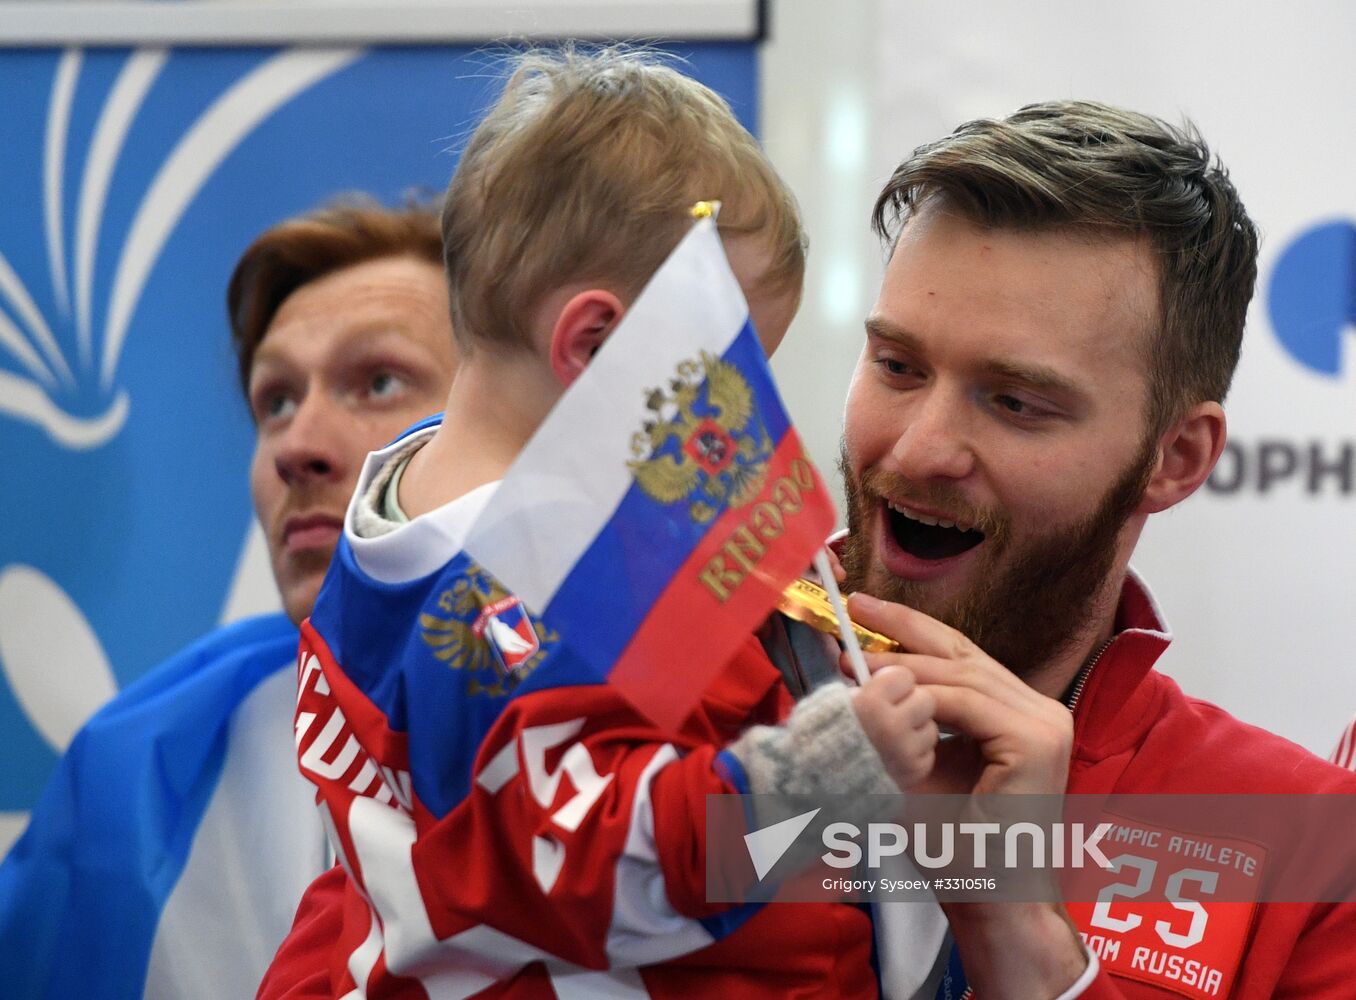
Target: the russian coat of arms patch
(486, 632)
(704, 445)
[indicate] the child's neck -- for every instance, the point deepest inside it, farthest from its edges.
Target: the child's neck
(492, 410)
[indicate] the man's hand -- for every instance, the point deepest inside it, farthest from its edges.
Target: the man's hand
(1019, 740)
(896, 715)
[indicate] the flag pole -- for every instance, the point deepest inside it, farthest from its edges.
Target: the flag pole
(854, 649)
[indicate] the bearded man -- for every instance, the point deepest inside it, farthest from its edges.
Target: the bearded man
(1058, 325)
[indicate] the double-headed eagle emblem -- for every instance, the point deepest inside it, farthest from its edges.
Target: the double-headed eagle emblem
(705, 444)
(486, 632)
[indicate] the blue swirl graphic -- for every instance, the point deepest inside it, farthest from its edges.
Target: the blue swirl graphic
(122, 434)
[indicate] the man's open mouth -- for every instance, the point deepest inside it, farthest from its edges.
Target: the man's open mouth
(926, 537)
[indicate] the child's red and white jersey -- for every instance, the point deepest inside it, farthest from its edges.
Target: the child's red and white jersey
(508, 824)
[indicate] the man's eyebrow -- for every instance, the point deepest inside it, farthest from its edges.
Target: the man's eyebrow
(883, 329)
(1037, 376)
(265, 353)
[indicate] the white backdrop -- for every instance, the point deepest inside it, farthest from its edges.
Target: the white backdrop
(1256, 576)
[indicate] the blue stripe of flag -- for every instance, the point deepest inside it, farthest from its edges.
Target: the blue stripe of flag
(600, 605)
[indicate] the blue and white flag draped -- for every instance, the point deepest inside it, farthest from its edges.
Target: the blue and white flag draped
(168, 852)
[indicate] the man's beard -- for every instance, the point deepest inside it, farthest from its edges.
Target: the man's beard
(1031, 598)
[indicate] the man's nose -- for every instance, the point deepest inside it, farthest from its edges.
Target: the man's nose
(935, 442)
(312, 446)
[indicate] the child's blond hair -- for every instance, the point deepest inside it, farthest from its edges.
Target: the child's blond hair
(584, 170)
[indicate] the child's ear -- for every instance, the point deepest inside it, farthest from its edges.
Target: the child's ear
(582, 326)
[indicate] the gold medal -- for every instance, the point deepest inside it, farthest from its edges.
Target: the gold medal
(807, 602)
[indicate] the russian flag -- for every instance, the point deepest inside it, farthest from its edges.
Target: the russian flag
(666, 501)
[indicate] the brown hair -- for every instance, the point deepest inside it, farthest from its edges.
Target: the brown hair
(1092, 167)
(584, 170)
(351, 230)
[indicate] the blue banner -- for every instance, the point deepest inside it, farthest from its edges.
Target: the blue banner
(134, 179)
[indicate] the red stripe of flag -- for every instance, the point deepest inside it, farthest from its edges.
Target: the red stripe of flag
(725, 588)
